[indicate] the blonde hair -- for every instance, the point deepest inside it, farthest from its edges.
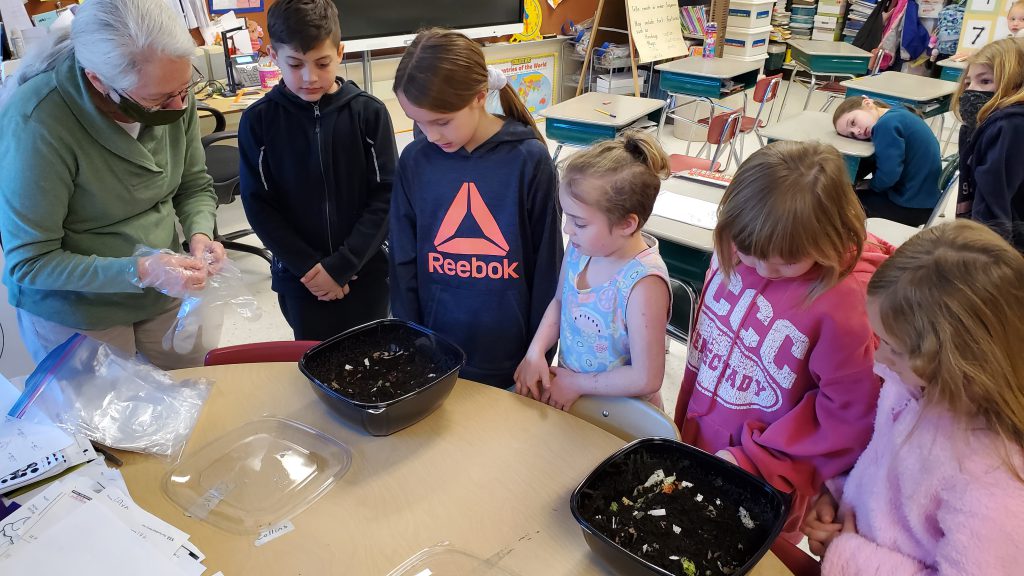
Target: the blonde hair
(443, 71)
(951, 298)
(1006, 58)
(793, 200)
(618, 177)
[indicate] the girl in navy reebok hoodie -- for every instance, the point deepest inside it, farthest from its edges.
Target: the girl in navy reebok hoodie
(474, 225)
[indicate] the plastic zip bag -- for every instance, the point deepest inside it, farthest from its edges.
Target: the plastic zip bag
(89, 388)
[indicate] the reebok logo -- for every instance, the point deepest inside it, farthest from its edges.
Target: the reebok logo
(469, 202)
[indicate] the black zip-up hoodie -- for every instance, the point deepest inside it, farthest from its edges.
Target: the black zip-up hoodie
(476, 246)
(316, 180)
(992, 177)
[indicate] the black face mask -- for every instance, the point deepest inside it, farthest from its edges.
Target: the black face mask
(971, 102)
(136, 112)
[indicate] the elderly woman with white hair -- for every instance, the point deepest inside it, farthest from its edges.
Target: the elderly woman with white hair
(101, 151)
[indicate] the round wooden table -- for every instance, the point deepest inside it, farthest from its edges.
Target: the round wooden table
(490, 471)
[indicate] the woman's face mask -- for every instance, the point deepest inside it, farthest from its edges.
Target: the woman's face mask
(971, 102)
(143, 115)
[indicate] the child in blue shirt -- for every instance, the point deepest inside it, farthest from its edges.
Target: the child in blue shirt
(610, 315)
(905, 185)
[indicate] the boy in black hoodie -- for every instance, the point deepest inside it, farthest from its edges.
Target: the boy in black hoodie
(317, 162)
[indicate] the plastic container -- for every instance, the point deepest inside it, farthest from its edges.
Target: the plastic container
(711, 478)
(409, 344)
(776, 57)
(741, 42)
(797, 11)
(749, 13)
(257, 475)
(446, 560)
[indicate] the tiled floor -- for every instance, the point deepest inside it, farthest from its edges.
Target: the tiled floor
(273, 327)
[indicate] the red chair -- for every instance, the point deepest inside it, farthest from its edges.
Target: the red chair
(722, 130)
(285, 351)
(795, 559)
(765, 91)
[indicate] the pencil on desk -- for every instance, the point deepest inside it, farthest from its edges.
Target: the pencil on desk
(605, 112)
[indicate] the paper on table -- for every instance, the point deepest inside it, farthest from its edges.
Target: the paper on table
(13, 527)
(687, 210)
(22, 443)
(90, 541)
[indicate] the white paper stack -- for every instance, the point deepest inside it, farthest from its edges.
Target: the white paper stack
(34, 449)
(87, 524)
(687, 210)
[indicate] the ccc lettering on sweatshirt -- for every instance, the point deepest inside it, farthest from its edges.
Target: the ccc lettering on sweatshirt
(458, 255)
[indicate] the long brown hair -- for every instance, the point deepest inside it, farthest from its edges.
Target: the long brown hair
(951, 298)
(793, 200)
(443, 71)
(618, 177)
(853, 103)
(1006, 58)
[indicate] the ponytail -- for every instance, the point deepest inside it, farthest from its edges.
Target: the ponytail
(514, 108)
(647, 151)
(37, 62)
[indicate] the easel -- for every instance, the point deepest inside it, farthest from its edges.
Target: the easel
(610, 22)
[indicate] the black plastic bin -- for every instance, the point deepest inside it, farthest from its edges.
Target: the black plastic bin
(388, 336)
(628, 468)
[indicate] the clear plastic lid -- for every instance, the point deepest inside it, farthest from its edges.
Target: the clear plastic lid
(446, 560)
(257, 475)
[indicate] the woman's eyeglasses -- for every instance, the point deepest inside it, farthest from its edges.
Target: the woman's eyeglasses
(197, 79)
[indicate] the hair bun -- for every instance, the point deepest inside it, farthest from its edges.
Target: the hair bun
(635, 148)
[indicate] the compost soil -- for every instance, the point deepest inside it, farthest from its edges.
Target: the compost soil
(366, 369)
(709, 526)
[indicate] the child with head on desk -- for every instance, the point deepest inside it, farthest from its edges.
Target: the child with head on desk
(779, 374)
(317, 161)
(475, 244)
(940, 488)
(990, 103)
(907, 166)
(612, 310)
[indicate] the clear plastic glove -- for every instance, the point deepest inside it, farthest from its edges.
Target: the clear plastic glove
(202, 248)
(175, 275)
(225, 290)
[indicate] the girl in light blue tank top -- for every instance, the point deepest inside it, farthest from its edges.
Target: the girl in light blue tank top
(610, 315)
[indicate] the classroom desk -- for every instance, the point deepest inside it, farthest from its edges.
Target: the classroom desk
(824, 58)
(686, 249)
(894, 233)
(489, 471)
(952, 69)
(817, 126)
(929, 96)
(235, 104)
(577, 121)
(703, 79)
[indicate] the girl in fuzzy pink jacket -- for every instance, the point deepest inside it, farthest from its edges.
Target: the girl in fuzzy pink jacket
(940, 487)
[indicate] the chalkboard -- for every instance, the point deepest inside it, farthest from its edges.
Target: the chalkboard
(656, 31)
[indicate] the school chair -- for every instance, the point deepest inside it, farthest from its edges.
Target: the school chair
(283, 351)
(722, 130)
(681, 322)
(796, 560)
(765, 91)
(222, 164)
(627, 418)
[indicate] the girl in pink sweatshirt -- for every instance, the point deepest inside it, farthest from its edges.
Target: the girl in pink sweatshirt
(940, 488)
(779, 374)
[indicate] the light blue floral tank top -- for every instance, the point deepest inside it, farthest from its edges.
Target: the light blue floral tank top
(592, 336)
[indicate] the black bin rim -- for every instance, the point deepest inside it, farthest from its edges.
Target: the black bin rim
(455, 348)
(781, 499)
